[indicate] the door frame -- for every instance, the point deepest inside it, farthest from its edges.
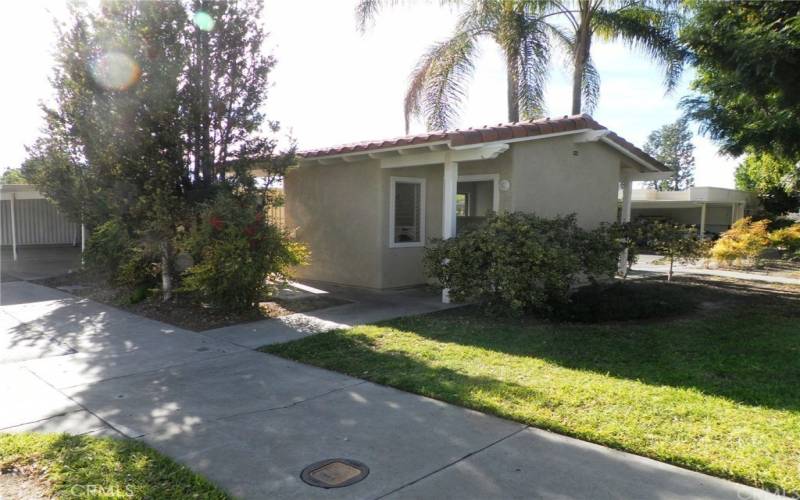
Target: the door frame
(495, 178)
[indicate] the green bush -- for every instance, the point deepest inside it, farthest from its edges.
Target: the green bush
(516, 262)
(236, 249)
(107, 247)
(112, 252)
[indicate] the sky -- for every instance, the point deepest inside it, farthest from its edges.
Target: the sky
(334, 85)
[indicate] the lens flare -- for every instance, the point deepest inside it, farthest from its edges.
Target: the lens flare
(115, 71)
(204, 21)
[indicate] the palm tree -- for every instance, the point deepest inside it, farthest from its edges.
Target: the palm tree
(524, 30)
(644, 24)
(438, 82)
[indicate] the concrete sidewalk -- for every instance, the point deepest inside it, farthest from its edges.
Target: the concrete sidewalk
(647, 264)
(251, 422)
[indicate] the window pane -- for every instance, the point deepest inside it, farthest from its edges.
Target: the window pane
(407, 212)
(461, 204)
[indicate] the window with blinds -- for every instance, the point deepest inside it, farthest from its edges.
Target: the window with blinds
(407, 212)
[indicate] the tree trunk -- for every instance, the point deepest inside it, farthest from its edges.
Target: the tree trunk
(205, 117)
(583, 42)
(669, 274)
(166, 270)
(513, 90)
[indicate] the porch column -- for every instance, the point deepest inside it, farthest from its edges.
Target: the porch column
(13, 227)
(702, 220)
(625, 216)
(450, 187)
(733, 213)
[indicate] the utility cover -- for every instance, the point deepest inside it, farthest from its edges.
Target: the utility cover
(334, 473)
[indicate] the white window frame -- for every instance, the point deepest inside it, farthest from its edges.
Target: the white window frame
(392, 192)
(495, 178)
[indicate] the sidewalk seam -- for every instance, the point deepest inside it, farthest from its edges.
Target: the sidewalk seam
(447, 466)
(106, 422)
(290, 405)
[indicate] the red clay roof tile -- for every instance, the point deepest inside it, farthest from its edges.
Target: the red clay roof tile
(503, 131)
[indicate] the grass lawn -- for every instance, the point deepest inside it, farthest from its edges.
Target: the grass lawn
(716, 391)
(90, 467)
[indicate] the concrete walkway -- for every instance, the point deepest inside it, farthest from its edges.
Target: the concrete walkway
(647, 264)
(251, 422)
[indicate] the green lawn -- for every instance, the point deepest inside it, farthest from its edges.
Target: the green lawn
(92, 467)
(717, 391)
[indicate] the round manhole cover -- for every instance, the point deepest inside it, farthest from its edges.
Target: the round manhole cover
(334, 473)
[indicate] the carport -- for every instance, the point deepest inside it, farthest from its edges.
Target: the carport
(710, 209)
(35, 239)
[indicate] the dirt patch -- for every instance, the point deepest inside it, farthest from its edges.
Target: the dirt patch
(184, 311)
(16, 484)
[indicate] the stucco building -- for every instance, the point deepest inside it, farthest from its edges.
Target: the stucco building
(366, 210)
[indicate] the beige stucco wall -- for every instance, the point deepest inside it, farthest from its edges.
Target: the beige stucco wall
(500, 165)
(549, 180)
(341, 210)
(335, 210)
(403, 266)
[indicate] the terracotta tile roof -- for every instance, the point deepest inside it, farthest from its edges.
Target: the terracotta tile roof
(500, 132)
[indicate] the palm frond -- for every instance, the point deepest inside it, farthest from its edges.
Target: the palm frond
(367, 10)
(590, 86)
(532, 69)
(648, 28)
(438, 83)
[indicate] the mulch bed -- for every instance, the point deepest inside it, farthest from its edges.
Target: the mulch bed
(183, 311)
(29, 484)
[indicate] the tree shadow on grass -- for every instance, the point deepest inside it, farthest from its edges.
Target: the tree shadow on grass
(88, 466)
(743, 345)
(601, 422)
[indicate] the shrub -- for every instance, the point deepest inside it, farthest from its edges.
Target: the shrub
(787, 240)
(236, 249)
(106, 248)
(113, 253)
(742, 243)
(517, 262)
(677, 244)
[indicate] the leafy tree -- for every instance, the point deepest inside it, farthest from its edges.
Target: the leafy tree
(525, 31)
(672, 146)
(13, 176)
(776, 181)
(157, 108)
(747, 57)
(677, 244)
(112, 147)
(224, 87)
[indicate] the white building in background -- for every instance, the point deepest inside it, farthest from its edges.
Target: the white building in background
(711, 209)
(27, 219)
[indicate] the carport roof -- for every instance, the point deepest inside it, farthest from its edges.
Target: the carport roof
(488, 134)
